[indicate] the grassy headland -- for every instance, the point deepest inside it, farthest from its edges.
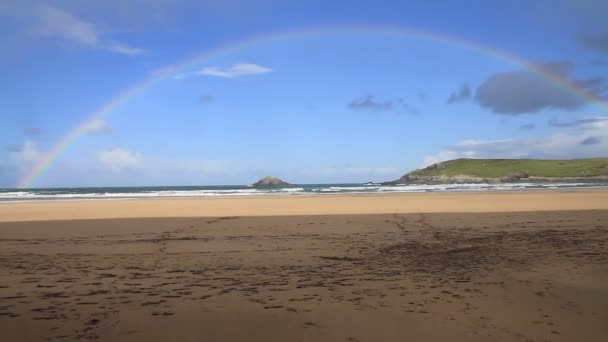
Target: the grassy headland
(505, 170)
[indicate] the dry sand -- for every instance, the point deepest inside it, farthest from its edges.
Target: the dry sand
(476, 276)
(309, 205)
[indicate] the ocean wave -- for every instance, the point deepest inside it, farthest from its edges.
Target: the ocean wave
(12, 195)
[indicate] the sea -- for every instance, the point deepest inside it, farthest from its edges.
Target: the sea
(152, 192)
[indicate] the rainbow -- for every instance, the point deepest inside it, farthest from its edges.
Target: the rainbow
(49, 157)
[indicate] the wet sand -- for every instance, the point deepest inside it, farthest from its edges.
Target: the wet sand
(493, 276)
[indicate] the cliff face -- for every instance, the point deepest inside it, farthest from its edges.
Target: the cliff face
(270, 182)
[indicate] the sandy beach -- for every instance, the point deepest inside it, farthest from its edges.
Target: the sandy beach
(457, 202)
(512, 266)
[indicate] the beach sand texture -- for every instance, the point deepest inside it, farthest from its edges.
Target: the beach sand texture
(503, 201)
(476, 276)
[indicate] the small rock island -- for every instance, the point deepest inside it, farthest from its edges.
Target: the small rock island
(267, 182)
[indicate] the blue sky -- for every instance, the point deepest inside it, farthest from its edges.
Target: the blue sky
(334, 103)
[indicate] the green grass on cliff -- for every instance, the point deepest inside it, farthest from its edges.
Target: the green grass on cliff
(497, 168)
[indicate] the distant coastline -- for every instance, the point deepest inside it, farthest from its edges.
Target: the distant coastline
(458, 175)
(508, 171)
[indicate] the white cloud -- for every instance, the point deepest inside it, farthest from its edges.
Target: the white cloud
(98, 127)
(124, 49)
(56, 23)
(240, 69)
(170, 71)
(25, 154)
(118, 159)
(164, 71)
(237, 70)
(180, 76)
(439, 157)
(588, 138)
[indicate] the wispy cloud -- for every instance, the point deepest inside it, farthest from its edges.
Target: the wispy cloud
(370, 103)
(597, 42)
(32, 131)
(56, 23)
(591, 141)
(98, 127)
(205, 99)
(527, 127)
(164, 71)
(462, 94)
(23, 154)
(124, 49)
(586, 123)
(237, 70)
(119, 159)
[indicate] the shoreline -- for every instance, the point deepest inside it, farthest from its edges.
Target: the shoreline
(294, 195)
(294, 205)
(10, 196)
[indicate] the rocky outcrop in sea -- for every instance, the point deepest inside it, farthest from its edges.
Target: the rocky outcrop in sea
(271, 182)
